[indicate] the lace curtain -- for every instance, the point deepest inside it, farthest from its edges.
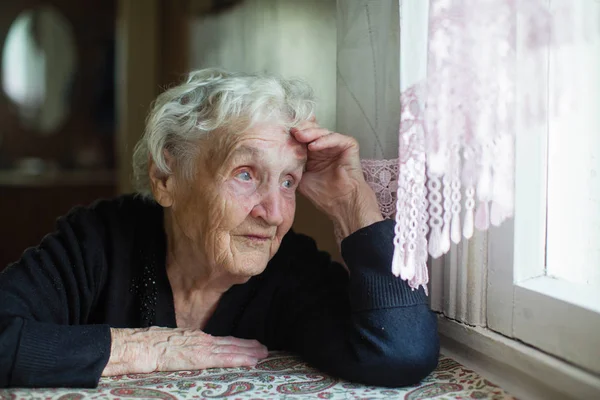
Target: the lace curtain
(458, 109)
(453, 171)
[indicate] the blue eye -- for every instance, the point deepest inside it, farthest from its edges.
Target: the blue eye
(244, 176)
(288, 183)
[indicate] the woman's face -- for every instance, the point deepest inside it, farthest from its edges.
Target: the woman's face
(243, 198)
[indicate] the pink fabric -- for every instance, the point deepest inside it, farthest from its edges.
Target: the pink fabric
(382, 177)
(457, 126)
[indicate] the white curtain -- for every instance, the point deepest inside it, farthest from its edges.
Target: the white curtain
(455, 105)
(458, 110)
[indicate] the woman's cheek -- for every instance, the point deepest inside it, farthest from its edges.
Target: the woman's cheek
(239, 189)
(290, 208)
(243, 195)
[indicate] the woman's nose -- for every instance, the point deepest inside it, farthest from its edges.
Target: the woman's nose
(270, 208)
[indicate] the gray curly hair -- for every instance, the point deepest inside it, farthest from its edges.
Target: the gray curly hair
(208, 100)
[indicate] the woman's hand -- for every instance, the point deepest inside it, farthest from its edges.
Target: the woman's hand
(166, 349)
(334, 180)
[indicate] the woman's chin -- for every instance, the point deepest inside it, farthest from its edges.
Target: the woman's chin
(249, 265)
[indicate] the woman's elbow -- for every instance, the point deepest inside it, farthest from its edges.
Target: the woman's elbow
(411, 368)
(402, 367)
(406, 354)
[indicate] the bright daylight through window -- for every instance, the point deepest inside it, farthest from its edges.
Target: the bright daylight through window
(573, 208)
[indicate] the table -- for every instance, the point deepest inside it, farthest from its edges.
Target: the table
(280, 376)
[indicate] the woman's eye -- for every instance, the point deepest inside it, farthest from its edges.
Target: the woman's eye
(288, 183)
(244, 176)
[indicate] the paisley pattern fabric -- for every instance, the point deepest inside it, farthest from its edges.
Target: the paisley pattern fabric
(281, 376)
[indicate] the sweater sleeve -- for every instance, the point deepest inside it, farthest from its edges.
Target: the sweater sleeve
(370, 327)
(45, 299)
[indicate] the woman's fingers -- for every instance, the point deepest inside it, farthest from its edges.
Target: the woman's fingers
(233, 345)
(232, 360)
(310, 123)
(194, 349)
(229, 345)
(333, 140)
(255, 352)
(321, 139)
(309, 134)
(233, 352)
(230, 340)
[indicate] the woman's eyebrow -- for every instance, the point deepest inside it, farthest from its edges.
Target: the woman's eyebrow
(249, 152)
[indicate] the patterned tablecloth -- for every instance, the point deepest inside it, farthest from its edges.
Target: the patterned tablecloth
(281, 376)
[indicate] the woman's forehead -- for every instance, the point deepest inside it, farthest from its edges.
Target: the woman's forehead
(259, 142)
(293, 153)
(263, 146)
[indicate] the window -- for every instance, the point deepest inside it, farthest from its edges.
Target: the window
(550, 298)
(573, 208)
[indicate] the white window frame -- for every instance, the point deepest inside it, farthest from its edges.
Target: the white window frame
(553, 315)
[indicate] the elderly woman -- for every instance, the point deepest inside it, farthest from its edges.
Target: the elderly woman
(199, 269)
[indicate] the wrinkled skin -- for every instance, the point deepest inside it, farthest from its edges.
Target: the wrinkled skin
(225, 224)
(232, 218)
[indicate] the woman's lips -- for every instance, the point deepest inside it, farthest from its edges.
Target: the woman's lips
(258, 238)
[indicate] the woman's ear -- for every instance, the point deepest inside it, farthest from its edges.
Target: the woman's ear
(163, 185)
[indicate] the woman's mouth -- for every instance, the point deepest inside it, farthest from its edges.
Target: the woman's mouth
(257, 238)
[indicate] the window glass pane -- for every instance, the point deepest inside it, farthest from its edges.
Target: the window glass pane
(573, 220)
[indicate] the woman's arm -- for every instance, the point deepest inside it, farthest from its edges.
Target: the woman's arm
(370, 327)
(45, 299)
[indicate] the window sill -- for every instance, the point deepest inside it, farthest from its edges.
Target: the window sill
(522, 370)
(584, 296)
